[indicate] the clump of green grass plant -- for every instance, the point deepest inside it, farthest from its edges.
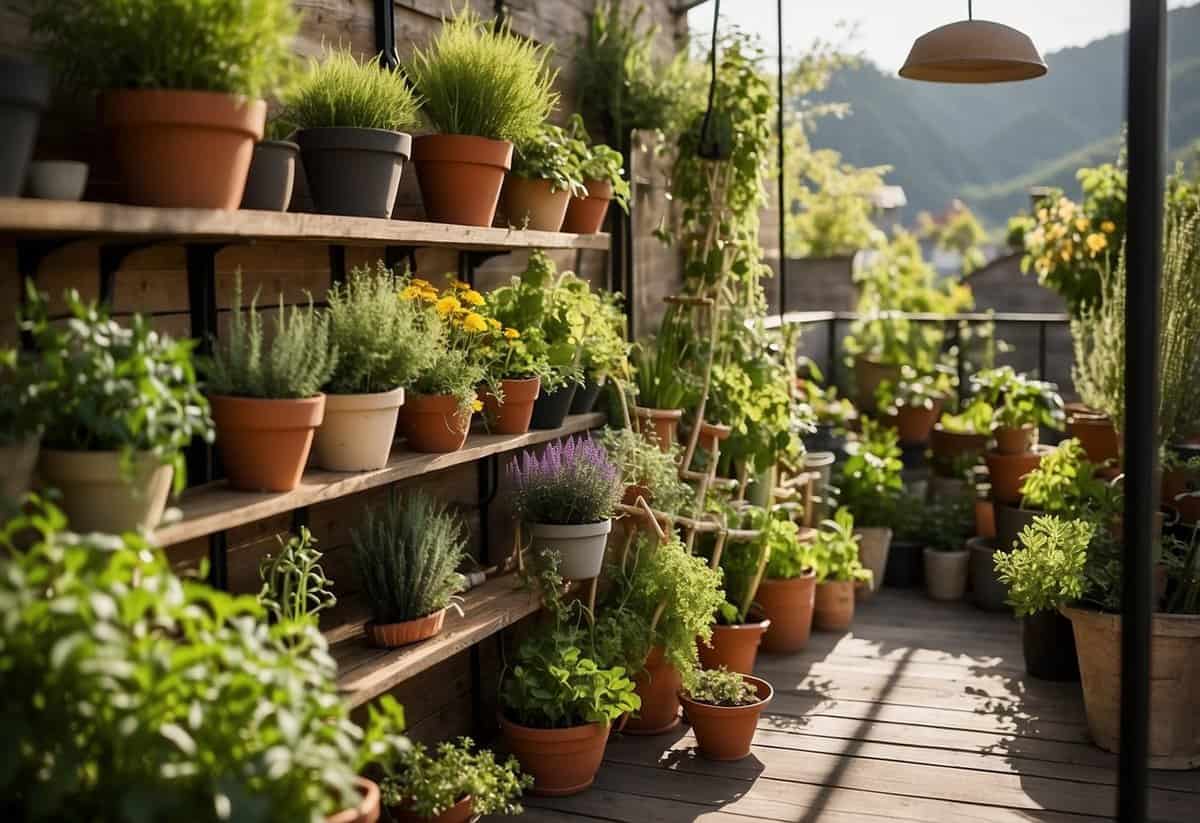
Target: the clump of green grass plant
(344, 91)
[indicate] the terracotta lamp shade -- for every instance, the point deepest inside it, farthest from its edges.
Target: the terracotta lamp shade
(973, 51)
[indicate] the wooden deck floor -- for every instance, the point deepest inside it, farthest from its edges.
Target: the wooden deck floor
(922, 712)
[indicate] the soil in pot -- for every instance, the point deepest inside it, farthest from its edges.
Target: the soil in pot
(367, 811)
(358, 430)
(915, 423)
(57, 179)
(726, 733)
(183, 148)
(1016, 440)
(585, 215)
(561, 761)
(265, 443)
(514, 415)
(987, 592)
(18, 460)
(905, 565)
(97, 497)
(461, 177)
(533, 204)
(1096, 433)
(434, 423)
(461, 812)
(580, 547)
(663, 423)
(874, 548)
(1049, 646)
(946, 573)
(24, 93)
(658, 686)
(734, 647)
(586, 396)
(1007, 472)
(788, 607)
(272, 176)
(833, 608)
(395, 635)
(353, 172)
(550, 409)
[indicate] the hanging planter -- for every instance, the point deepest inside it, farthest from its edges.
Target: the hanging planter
(550, 408)
(24, 93)
(357, 432)
(562, 761)
(265, 443)
(734, 647)
(657, 685)
(97, 496)
(368, 809)
(514, 414)
(580, 547)
(787, 605)
(435, 423)
(272, 176)
(726, 732)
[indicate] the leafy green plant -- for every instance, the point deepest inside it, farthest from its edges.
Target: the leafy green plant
(1047, 569)
(912, 390)
(234, 46)
(1065, 484)
(133, 693)
(114, 387)
(947, 522)
(382, 342)
(721, 687)
(869, 481)
(406, 557)
(976, 418)
(642, 463)
(294, 584)
(660, 382)
(1018, 400)
(22, 397)
(428, 784)
(478, 78)
(832, 202)
(550, 155)
(571, 482)
(835, 551)
(789, 556)
(340, 90)
(296, 362)
(596, 320)
(598, 162)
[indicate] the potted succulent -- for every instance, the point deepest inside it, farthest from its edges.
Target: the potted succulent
(724, 708)
(787, 593)
(21, 398)
(176, 676)
(566, 497)
(406, 558)
(1021, 406)
(266, 396)
(663, 389)
(835, 558)
(545, 174)
(351, 118)
(294, 586)
(482, 88)
(453, 784)
(272, 175)
(647, 471)
(23, 97)
(915, 402)
(122, 404)
(181, 87)
(949, 521)
(870, 485)
(604, 181)
(740, 623)
(382, 345)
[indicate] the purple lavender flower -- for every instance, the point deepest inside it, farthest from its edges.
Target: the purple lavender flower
(571, 482)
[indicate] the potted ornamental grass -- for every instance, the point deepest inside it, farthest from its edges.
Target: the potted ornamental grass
(181, 86)
(266, 393)
(1021, 406)
(835, 558)
(566, 497)
(406, 558)
(545, 175)
(603, 173)
(272, 175)
(740, 624)
(121, 406)
(914, 403)
(352, 118)
(786, 594)
(647, 471)
(294, 585)
(22, 395)
(454, 783)
(663, 388)
(870, 485)
(147, 691)
(948, 523)
(482, 89)
(382, 345)
(723, 708)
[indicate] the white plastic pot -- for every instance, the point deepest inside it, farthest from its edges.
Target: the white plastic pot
(16, 468)
(580, 547)
(97, 497)
(358, 430)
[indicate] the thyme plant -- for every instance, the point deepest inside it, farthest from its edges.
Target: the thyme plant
(1047, 569)
(642, 463)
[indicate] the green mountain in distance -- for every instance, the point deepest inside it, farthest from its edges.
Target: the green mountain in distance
(987, 145)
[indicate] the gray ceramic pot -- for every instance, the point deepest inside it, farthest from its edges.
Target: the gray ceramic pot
(1010, 520)
(987, 591)
(272, 175)
(354, 172)
(24, 92)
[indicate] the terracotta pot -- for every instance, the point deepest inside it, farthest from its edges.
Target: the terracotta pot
(1180, 482)
(658, 686)
(987, 592)
(561, 761)
(434, 423)
(632, 493)
(550, 408)
(513, 415)
(948, 445)
(367, 811)
(461, 177)
(727, 732)
(24, 93)
(265, 443)
(985, 517)
(734, 647)
(461, 812)
(1174, 683)
(868, 375)
(874, 547)
(18, 460)
(1049, 647)
(712, 434)
(914, 424)
(533, 204)
(946, 573)
(97, 497)
(358, 430)
(580, 547)
(183, 148)
(1007, 472)
(833, 608)
(585, 215)
(663, 423)
(352, 171)
(394, 635)
(1096, 433)
(1016, 440)
(272, 176)
(788, 607)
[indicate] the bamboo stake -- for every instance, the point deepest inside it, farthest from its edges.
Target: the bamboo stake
(763, 557)
(595, 584)
(651, 518)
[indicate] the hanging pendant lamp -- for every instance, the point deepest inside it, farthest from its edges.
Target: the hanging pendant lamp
(973, 51)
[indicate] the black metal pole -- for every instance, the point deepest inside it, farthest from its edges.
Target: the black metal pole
(1145, 113)
(385, 33)
(782, 156)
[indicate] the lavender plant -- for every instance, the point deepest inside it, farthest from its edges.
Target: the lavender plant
(572, 482)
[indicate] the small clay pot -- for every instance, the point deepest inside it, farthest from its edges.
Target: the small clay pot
(632, 493)
(874, 546)
(915, 423)
(734, 647)
(833, 608)
(354, 172)
(24, 93)
(367, 811)
(1016, 439)
(265, 443)
(533, 204)
(514, 414)
(726, 733)
(868, 375)
(550, 408)
(712, 434)
(585, 215)
(395, 635)
(357, 432)
(1096, 433)
(948, 445)
(434, 423)
(788, 607)
(98, 497)
(461, 177)
(586, 396)
(57, 179)
(658, 686)
(461, 812)
(1007, 472)
(946, 573)
(561, 761)
(664, 423)
(1049, 646)
(272, 176)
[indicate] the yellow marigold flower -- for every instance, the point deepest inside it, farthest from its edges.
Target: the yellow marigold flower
(410, 293)
(459, 285)
(494, 323)
(1082, 223)
(1108, 227)
(421, 284)
(472, 297)
(429, 295)
(1097, 243)
(477, 405)
(447, 305)
(474, 323)
(1065, 254)
(512, 334)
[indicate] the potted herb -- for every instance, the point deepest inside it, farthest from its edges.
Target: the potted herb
(352, 118)
(835, 415)
(786, 594)
(21, 399)
(482, 88)
(869, 485)
(148, 691)
(266, 396)
(294, 586)
(949, 521)
(181, 86)
(454, 784)
(23, 98)
(647, 471)
(603, 348)
(835, 558)
(724, 708)
(272, 174)
(382, 344)
(514, 366)
(545, 174)
(1021, 406)
(122, 404)
(742, 558)
(406, 558)
(959, 440)
(915, 402)
(604, 181)
(566, 497)
(663, 388)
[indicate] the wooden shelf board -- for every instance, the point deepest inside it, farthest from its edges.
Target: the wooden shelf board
(215, 507)
(20, 216)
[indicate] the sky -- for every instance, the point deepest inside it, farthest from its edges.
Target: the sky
(885, 29)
